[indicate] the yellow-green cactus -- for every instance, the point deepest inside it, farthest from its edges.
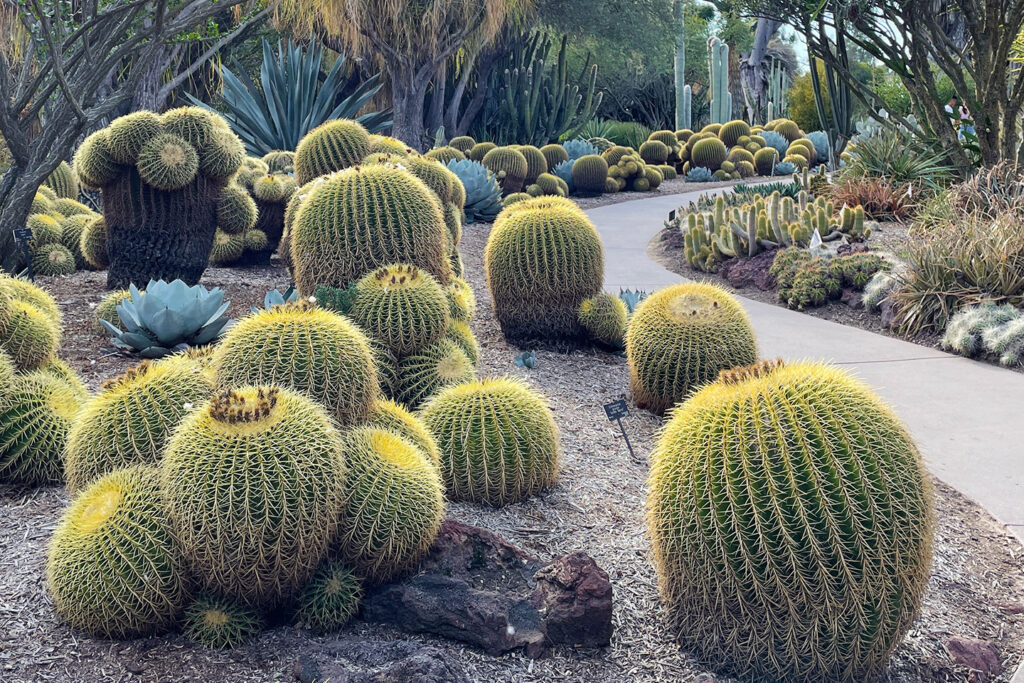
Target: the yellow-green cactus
(790, 517)
(392, 417)
(393, 505)
(423, 374)
(401, 306)
(252, 482)
(217, 622)
(329, 147)
(604, 316)
(330, 599)
(680, 338)
(114, 568)
(320, 353)
(167, 162)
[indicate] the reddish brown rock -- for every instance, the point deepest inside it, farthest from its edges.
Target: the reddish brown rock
(756, 270)
(980, 655)
(477, 588)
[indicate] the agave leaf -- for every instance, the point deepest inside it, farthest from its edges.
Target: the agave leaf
(137, 340)
(154, 352)
(129, 315)
(210, 332)
(169, 326)
(111, 329)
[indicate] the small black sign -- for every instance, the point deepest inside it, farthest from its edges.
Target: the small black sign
(616, 410)
(23, 234)
(671, 215)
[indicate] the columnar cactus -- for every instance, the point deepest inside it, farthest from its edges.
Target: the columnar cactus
(114, 567)
(252, 481)
(791, 518)
(680, 338)
(498, 441)
(160, 177)
(542, 260)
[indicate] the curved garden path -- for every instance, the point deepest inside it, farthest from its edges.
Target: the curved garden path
(967, 416)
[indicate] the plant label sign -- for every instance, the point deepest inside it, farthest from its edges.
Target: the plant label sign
(23, 235)
(616, 410)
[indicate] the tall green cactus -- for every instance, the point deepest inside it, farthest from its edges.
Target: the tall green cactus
(683, 94)
(778, 91)
(721, 98)
(537, 102)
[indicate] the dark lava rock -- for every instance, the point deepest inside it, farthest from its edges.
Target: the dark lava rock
(980, 655)
(477, 588)
(853, 299)
(754, 270)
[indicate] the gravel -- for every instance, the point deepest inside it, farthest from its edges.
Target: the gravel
(976, 588)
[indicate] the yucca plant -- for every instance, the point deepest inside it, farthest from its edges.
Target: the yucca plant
(293, 99)
(168, 318)
(899, 158)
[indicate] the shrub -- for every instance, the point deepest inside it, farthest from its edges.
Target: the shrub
(829, 542)
(380, 534)
(498, 441)
(541, 264)
(898, 157)
(311, 350)
(115, 568)
(364, 218)
(880, 199)
(679, 338)
(252, 481)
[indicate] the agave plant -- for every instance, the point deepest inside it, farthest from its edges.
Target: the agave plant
(293, 99)
(167, 318)
(563, 169)
(276, 298)
(578, 148)
(483, 194)
(631, 298)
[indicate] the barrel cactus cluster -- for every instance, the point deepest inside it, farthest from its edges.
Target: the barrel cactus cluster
(267, 477)
(166, 183)
(820, 571)
(57, 222)
(734, 150)
(39, 395)
(269, 191)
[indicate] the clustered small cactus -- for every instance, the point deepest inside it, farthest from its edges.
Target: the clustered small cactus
(987, 328)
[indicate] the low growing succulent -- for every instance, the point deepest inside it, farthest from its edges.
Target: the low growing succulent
(168, 318)
(699, 174)
(483, 193)
(275, 298)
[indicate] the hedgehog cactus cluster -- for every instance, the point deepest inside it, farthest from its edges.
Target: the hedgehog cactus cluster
(166, 188)
(814, 582)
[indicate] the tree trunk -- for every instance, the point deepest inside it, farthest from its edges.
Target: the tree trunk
(754, 70)
(409, 99)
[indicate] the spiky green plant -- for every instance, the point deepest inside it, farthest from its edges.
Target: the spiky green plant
(460, 333)
(279, 161)
(36, 413)
(654, 152)
(311, 350)
(604, 316)
(226, 248)
(52, 259)
(63, 181)
(680, 337)
(114, 566)
(498, 440)
(536, 162)
(445, 154)
(791, 518)
(392, 417)
(509, 167)
(542, 260)
(236, 210)
(554, 154)
(217, 622)
(966, 328)
(45, 229)
(388, 145)
(71, 229)
(461, 300)
(708, 153)
(222, 154)
(329, 147)
(93, 163)
(731, 132)
(479, 150)
(401, 306)
(93, 243)
(130, 421)
(128, 134)
(252, 481)
(393, 504)
(423, 374)
(364, 218)
(589, 173)
(330, 599)
(167, 162)
(28, 335)
(463, 143)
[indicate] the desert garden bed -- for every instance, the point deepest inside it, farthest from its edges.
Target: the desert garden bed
(973, 608)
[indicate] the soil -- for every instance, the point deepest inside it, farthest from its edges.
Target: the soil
(976, 589)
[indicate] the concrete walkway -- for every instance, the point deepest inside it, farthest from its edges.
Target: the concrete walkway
(967, 416)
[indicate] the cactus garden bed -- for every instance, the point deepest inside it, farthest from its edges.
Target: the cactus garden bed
(973, 610)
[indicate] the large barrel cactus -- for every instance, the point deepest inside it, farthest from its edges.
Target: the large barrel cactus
(312, 350)
(497, 438)
(509, 167)
(708, 153)
(330, 147)
(680, 337)
(364, 218)
(161, 177)
(252, 481)
(402, 307)
(542, 260)
(114, 567)
(790, 518)
(131, 419)
(393, 504)
(589, 174)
